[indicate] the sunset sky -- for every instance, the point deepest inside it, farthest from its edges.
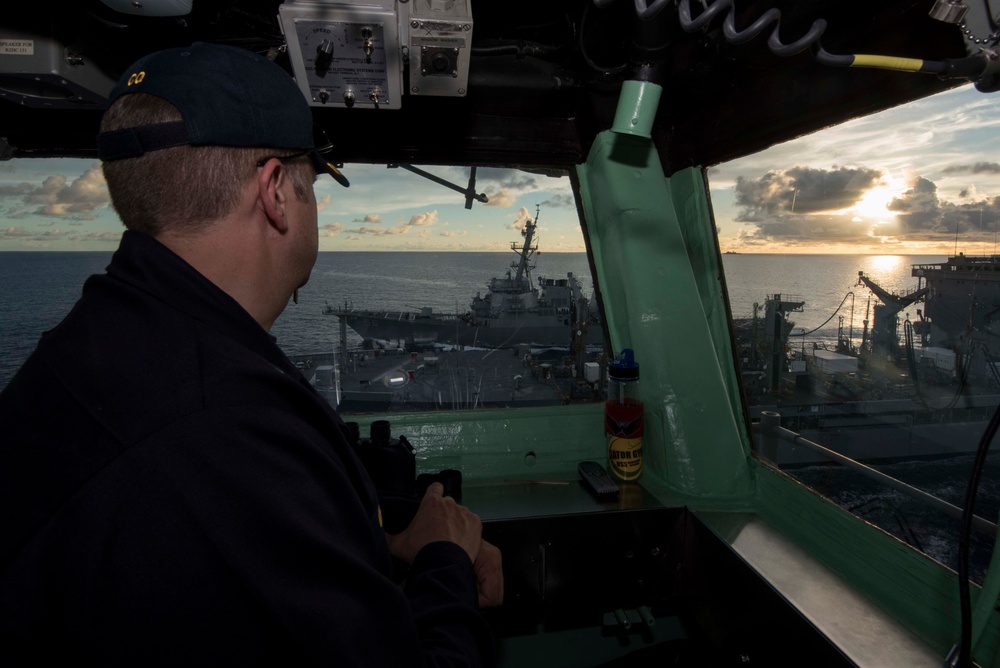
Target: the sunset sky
(921, 178)
(904, 181)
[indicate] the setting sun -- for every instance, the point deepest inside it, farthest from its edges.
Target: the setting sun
(874, 204)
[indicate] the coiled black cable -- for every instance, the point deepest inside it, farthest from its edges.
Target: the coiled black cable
(971, 67)
(779, 48)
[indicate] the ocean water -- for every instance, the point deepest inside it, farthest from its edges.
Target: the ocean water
(39, 288)
(828, 284)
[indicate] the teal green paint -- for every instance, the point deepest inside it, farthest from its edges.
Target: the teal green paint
(490, 444)
(694, 439)
(916, 591)
(637, 106)
(985, 612)
(692, 202)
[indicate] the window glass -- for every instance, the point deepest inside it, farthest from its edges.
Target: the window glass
(443, 307)
(864, 279)
(416, 301)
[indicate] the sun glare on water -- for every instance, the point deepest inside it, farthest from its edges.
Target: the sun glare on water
(884, 263)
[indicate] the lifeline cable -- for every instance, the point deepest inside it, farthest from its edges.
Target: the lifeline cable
(827, 320)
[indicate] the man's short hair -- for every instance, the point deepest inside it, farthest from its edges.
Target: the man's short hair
(186, 127)
(182, 188)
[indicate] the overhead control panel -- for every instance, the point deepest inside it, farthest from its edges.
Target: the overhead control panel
(357, 54)
(439, 39)
(343, 54)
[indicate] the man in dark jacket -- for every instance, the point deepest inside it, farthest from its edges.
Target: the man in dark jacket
(174, 492)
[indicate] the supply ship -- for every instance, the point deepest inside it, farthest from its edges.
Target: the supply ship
(515, 309)
(962, 307)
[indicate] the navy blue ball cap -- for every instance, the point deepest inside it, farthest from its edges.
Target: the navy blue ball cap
(227, 96)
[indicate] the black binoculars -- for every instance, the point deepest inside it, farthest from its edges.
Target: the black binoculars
(391, 464)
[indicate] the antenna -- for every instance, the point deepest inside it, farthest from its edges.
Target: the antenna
(994, 230)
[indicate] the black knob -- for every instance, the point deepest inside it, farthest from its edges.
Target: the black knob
(381, 433)
(324, 56)
(440, 63)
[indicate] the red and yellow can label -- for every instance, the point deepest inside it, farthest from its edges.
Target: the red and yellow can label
(624, 427)
(625, 457)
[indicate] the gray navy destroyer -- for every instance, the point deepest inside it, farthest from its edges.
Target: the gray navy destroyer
(551, 312)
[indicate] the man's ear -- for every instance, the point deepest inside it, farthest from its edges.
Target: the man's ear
(271, 193)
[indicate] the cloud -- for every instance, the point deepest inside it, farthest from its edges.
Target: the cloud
(561, 201)
(331, 229)
(18, 190)
(923, 215)
(420, 221)
(49, 235)
(323, 203)
(819, 206)
(805, 205)
(518, 180)
(453, 233)
(975, 168)
(503, 197)
(373, 218)
(15, 233)
(760, 199)
(522, 217)
(808, 205)
(424, 219)
(505, 186)
(379, 231)
(77, 199)
(505, 178)
(802, 190)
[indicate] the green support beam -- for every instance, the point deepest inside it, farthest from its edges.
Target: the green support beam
(656, 301)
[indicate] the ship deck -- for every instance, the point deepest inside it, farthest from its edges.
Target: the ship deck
(396, 380)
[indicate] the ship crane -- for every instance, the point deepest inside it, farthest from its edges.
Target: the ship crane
(885, 337)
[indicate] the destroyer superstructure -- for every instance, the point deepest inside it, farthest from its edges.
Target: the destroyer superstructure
(551, 312)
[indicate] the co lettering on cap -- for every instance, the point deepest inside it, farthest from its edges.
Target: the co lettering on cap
(136, 78)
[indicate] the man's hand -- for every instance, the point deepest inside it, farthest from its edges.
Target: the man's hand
(489, 576)
(439, 517)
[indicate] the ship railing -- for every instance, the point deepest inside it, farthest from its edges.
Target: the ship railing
(771, 434)
(388, 315)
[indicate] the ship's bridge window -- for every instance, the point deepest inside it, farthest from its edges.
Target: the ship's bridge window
(391, 304)
(839, 252)
(392, 317)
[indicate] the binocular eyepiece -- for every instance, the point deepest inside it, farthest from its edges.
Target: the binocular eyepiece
(392, 464)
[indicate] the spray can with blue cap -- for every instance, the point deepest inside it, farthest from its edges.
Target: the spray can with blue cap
(623, 417)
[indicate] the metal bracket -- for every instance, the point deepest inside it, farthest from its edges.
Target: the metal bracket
(469, 192)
